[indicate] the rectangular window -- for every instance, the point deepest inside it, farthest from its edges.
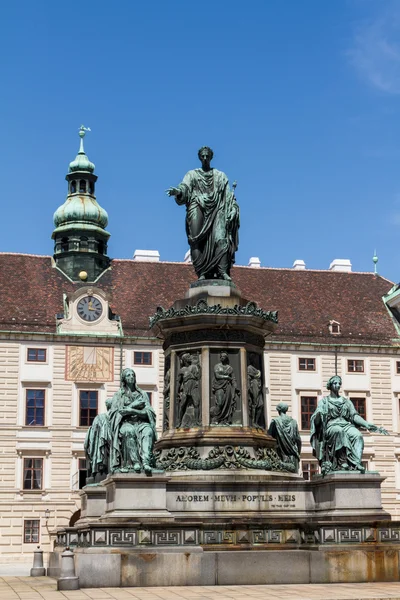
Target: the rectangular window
(306, 364)
(360, 404)
(308, 406)
(34, 414)
(36, 355)
(82, 472)
(355, 366)
(309, 469)
(142, 358)
(33, 473)
(398, 367)
(31, 531)
(88, 401)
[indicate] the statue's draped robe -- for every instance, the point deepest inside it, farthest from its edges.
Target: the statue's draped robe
(212, 219)
(333, 431)
(255, 396)
(129, 425)
(225, 391)
(286, 433)
(190, 392)
(97, 444)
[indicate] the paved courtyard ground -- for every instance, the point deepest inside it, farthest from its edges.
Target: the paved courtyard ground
(38, 588)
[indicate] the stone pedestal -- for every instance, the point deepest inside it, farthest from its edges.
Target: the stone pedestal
(136, 496)
(213, 318)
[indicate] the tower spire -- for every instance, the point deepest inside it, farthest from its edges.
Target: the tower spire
(80, 236)
(375, 260)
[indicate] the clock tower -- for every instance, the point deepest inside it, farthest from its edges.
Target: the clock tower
(80, 237)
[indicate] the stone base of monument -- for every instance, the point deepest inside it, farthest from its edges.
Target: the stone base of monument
(233, 528)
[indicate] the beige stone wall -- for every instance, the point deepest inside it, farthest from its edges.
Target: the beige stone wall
(60, 442)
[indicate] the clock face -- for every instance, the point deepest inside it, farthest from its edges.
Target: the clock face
(89, 308)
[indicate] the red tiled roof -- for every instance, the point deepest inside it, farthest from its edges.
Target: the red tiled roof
(31, 293)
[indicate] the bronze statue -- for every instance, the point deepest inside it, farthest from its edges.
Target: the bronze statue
(336, 439)
(212, 218)
(189, 394)
(286, 433)
(255, 397)
(166, 394)
(133, 428)
(225, 391)
(97, 446)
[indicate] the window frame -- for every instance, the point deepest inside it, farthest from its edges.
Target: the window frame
(31, 541)
(32, 477)
(35, 390)
(88, 409)
(36, 350)
(355, 371)
(306, 395)
(355, 400)
(307, 359)
(142, 364)
(311, 472)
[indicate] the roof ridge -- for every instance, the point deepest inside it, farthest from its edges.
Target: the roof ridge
(27, 254)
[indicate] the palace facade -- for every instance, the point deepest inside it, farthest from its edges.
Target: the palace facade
(69, 323)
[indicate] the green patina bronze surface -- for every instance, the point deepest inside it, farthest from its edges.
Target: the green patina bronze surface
(203, 308)
(212, 218)
(336, 439)
(225, 392)
(255, 392)
(122, 440)
(189, 391)
(286, 433)
(221, 457)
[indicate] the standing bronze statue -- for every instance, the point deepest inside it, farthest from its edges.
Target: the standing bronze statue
(336, 439)
(286, 433)
(255, 397)
(212, 218)
(225, 391)
(189, 393)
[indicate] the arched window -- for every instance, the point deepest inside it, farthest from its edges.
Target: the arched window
(82, 186)
(91, 187)
(73, 187)
(64, 244)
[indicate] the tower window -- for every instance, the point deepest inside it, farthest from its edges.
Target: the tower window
(64, 244)
(82, 186)
(91, 187)
(100, 247)
(73, 187)
(84, 245)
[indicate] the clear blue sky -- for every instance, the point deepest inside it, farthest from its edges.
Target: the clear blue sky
(299, 99)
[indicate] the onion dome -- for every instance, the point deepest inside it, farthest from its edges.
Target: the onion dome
(83, 210)
(81, 162)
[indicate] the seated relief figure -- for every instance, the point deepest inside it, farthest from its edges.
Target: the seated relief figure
(286, 433)
(336, 439)
(97, 445)
(133, 428)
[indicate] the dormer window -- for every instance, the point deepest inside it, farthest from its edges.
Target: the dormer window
(82, 186)
(334, 327)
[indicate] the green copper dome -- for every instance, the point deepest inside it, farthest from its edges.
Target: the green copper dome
(81, 162)
(80, 209)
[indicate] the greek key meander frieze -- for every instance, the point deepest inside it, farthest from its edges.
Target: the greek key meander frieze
(203, 308)
(129, 537)
(220, 457)
(214, 335)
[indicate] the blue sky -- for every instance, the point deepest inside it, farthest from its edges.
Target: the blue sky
(300, 101)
